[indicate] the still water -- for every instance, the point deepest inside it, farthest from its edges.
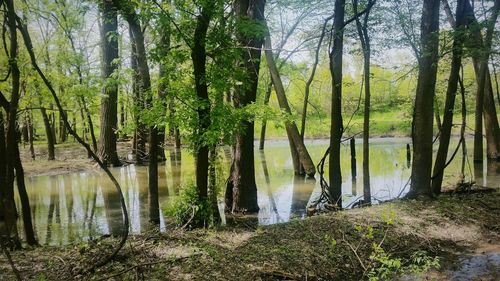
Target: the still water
(79, 206)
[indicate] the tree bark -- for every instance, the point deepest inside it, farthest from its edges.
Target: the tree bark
(25, 202)
(109, 100)
(291, 127)
(422, 133)
(140, 131)
(484, 97)
(242, 176)
(31, 135)
(48, 133)
(263, 129)
(11, 146)
(364, 39)
(199, 58)
(456, 62)
(336, 128)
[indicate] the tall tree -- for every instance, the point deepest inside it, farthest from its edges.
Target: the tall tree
(364, 39)
(144, 87)
(299, 150)
(336, 128)
(109, 99)
(484, 96)
(451, 92)
(422, 130)
(199, 58)
(241, 192)
(12, 163)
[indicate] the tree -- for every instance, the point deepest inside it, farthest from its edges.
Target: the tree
(422, 130)
(484, 96)
(109, 100)
(199, 58)
(336, 128)
(364, 39)
(241, 191)
(12, 167)
(451, 92)
(296, 142)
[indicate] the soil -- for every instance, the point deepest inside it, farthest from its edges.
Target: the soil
(458, 232)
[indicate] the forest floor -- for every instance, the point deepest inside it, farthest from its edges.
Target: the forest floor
(455, 237)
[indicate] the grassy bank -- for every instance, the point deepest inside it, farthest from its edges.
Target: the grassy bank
(421, 239)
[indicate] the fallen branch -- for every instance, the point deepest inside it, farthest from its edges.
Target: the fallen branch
(354, 251)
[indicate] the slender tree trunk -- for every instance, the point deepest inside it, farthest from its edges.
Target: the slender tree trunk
(62, 130)
(163, 85)
(48, 133)
(292, 130)
(24, 131)
(422, 133)
(456, 62)
(53, 123)
(212, 187)
(242, 176)
(264, 121)
(140, 132)
(25, 202)
(444, 140)
(199, 57)
(31, 136)
(154, 205)
(337, 128)
(366, 47)
(496, 82)
(109, 100)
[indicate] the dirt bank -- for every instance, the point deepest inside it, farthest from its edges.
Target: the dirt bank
(410, 239)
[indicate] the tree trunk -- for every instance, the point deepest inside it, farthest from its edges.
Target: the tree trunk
(62, 131)
(292, 130)
(31, 137)
(364, 39)
(422, 133)
(264, 121)
(337, 128)
(242, 176)
(24, 131)
(154, 205)
(447, 124)
(48, 133)
(491, 125)
(11, 147)
(484, 96)
(25, 202)
(199, 57)
(140, 132)
(109, 100)
(52, 119)
(7, 204)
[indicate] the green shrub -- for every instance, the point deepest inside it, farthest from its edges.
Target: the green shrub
(188, 210)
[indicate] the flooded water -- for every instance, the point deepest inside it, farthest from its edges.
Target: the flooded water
(80, 206)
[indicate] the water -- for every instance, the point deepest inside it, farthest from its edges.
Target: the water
(79, 206)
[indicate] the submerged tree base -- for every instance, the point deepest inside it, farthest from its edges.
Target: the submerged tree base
(425, 239)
